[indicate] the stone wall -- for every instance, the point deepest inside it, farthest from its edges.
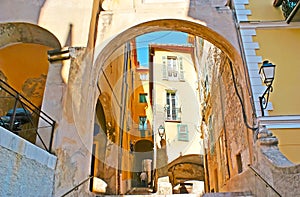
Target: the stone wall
(272, 174)
(25, 169)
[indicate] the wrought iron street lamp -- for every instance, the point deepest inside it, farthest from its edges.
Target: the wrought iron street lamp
(161, 131)
(267, 73)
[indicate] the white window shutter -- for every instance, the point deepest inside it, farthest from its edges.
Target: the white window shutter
(181, 71)
(164, 67)
(183, 134)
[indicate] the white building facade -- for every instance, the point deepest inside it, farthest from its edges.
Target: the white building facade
(175, 99)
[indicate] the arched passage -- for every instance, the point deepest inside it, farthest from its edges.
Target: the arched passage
(102, 52)
(24, 66)
(23, 57)
(92, 65)
(143, 157)
(90, 72)
(187, 167)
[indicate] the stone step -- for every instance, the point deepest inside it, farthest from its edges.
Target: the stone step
(147, 192)
(140, 191)
(228, 194)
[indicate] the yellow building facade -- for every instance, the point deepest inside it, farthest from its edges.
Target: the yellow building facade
(275, 38)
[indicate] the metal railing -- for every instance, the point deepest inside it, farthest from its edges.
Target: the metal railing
(23, 118)
(173, 114)
(288, 6)
(77, 186)
(264, 180)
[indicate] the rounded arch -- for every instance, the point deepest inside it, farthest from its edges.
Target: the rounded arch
(26, 33)
(96, 58)
(142, 161)
(103, 51)
(143, 146)
(23, 55)
(187, 167)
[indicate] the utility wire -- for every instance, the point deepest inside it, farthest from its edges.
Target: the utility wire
(153, 39)
(241, 100)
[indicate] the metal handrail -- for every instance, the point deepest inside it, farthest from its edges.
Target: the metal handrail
(76, 187)
(266, 182)
(26, 105)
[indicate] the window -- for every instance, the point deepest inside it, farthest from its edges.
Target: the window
(239, 163)
(172, 111)
(183, 134)
(143, 98)
(144, 76)
(172, 68)
(143, 123)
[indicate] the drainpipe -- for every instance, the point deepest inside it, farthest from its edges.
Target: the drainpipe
(92, 37)
(122, 112)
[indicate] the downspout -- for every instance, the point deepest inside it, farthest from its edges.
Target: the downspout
(92, 36)
(122, 114)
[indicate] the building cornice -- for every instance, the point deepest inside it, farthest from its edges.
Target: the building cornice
(280, 122)
(267, 24)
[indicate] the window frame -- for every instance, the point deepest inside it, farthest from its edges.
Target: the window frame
(144, 96)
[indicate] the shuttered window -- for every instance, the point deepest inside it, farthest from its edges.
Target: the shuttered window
(172, 68)
(181, 71)
(183, 134)
(164, 67)
(143, 123)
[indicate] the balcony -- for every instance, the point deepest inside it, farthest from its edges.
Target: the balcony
(290, 9)
(288, 6)
(173, 114)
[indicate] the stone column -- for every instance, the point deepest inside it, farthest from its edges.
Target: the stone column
(69, 103)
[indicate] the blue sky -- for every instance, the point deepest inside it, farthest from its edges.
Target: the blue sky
(159, 37)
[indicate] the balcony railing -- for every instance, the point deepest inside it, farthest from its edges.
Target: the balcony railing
(287, 7)
(173, 114)
(23, 118)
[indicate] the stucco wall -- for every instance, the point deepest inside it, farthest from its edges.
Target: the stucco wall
(25, 169)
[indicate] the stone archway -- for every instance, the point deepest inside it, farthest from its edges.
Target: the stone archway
(184, 168)
(23, 56)
(26, 33)
(88, 72)
(91, 66)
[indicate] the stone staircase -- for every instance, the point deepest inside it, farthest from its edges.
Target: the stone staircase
(228, 194)
(140, 191)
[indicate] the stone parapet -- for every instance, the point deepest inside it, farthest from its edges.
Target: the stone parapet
(25, 168)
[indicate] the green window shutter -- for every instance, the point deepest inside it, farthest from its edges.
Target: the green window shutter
(183, 134)
(164, 67)
(181, 71)
(143, 98)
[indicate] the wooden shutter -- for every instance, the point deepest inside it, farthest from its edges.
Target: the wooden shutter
(181, 71)
(164, 67)
(183, 134)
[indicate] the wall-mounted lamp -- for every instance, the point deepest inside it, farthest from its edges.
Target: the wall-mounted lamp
(267, 73)
(161, 131)
(58, 55)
